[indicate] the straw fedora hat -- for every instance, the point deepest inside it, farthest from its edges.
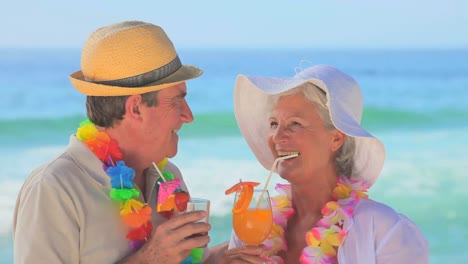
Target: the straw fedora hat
(344, 102)
(130, 57)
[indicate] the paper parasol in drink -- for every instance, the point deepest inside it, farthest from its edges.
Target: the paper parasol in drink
(166, 189)
(175, 202)
(170, 196)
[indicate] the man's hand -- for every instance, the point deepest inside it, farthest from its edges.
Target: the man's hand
(173, 240)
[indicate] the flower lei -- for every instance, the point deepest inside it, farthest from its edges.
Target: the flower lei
(324, 239)
(135, 214)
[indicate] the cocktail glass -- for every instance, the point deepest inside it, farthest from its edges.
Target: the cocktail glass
(253, 223)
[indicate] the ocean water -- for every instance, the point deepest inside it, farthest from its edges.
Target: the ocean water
(415, 102)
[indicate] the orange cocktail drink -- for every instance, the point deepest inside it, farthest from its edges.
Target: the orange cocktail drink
(252, 218)
(253, 225)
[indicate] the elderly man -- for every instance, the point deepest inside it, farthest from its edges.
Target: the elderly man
(96, 202)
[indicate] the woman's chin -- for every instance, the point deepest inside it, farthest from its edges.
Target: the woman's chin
(285, 175)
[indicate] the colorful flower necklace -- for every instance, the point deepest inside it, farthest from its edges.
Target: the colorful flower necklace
(324, 239)
(135, 214)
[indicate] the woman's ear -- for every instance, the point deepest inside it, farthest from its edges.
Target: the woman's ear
(338, 139)
(132, 106)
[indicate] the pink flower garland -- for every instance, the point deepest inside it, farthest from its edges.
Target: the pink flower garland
(323, 240)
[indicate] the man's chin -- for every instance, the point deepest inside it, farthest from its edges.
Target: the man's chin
(171, 154)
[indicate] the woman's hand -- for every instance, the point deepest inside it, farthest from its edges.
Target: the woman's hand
(245, 254)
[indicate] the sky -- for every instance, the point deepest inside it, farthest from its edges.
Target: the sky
(327, 24)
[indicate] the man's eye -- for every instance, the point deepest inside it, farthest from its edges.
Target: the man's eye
(176, 101)
(273, 124)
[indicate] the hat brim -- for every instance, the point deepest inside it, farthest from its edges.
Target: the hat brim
(185, 73)
(251, 111)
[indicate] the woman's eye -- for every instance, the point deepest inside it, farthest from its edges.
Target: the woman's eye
(295, 126)
(296, 123)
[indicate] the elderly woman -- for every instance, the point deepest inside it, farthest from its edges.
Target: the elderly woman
(323, 215)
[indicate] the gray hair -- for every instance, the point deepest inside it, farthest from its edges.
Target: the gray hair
(103, 111)
(344, 160)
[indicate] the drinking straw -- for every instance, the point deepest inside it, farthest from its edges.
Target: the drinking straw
(271, 173)
(274, 166)
(160, 174)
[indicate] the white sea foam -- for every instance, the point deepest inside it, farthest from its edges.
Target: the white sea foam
(18, 163)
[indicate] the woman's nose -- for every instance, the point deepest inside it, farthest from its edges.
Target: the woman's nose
(280, 134)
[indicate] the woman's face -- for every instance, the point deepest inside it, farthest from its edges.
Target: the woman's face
(296, 126)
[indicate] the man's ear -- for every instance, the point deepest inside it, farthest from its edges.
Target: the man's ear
(132, 106)
(338, 138)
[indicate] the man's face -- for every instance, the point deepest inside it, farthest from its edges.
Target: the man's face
(161, 123)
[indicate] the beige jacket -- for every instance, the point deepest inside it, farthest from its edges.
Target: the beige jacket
(63, 212)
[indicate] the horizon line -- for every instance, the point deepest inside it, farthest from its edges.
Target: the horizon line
(230, 48)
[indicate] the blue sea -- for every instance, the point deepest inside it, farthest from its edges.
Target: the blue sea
(416, 102)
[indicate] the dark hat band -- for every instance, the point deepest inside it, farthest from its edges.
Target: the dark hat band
(145, 78)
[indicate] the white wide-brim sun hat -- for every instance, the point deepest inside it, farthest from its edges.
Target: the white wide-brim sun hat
(344, 101)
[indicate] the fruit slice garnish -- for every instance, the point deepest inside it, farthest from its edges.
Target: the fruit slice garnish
(239, 186)
(167, 205)
(181, 199)
(242, 203)
(245, 192)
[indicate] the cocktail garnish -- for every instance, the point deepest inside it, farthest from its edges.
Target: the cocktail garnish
(245, 192)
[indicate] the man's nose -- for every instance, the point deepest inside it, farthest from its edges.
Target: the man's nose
(187, 115)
